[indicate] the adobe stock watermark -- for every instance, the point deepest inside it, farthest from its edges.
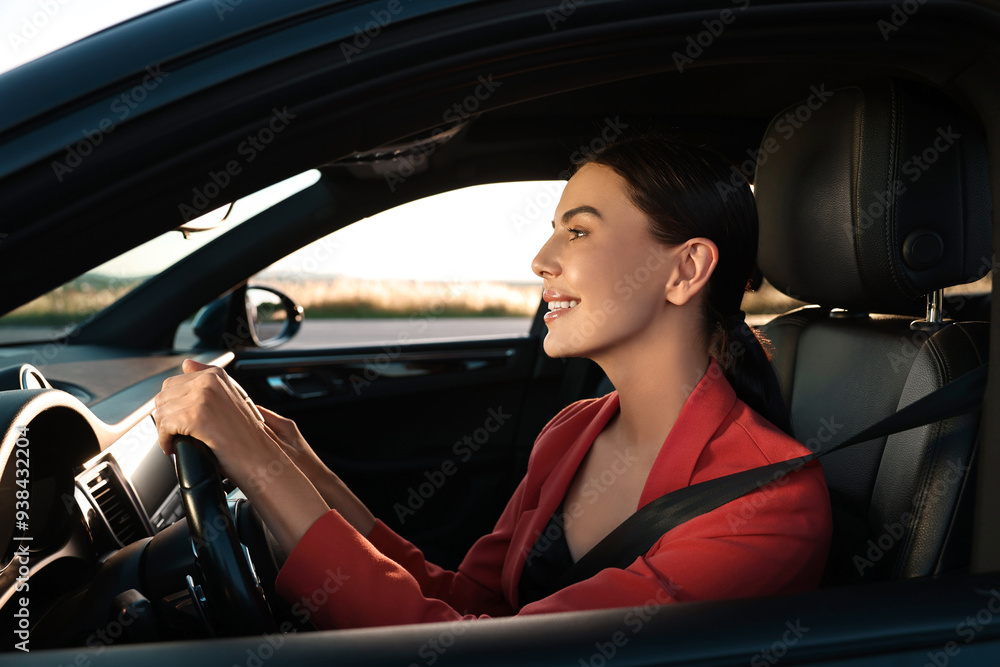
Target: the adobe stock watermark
(223, 7)
(696, 44)
(462, 451)
(320, 253)
(432, 650)
(248, 150)
(591, 491)
(611, 131)
(363, 36)
(34, 23)
(956, 302)
(777, 650)
(901, 358)
(539, 207)
(634, 620)
(596, 315)
(47, 353)
(913, 168)
(303, 610)
(966, 630)
(901, 13)
(562, 12)
(752, 503)
(735, 349)
(307, 605)
(459, 111)
(121, 108)
(260, 478)
(895, 531)
(20, 562)
(417, 324)
(114, 630)
(786, 126)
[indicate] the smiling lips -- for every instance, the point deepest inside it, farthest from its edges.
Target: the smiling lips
(559, 304)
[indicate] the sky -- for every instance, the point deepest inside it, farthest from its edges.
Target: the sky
(487, 232)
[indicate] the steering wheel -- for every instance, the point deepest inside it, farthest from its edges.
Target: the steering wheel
(234, 603)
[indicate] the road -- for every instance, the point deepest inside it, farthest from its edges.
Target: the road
(339, 333)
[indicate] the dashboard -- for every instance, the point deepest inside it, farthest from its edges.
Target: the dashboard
(82, 477)
(131, 487)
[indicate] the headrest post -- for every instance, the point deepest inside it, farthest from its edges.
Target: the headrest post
(935, 300)
(934, 320)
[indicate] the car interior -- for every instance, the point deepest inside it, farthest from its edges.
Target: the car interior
(870, 161)
(836, 363)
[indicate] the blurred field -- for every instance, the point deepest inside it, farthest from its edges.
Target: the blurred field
(356, 298)
(73, 302)
(353, 298)
(768, 301)
(321, 298)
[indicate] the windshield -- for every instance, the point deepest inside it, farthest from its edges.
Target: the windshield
(52, 315)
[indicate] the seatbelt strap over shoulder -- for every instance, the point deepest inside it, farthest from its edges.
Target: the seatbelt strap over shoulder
(637, 534)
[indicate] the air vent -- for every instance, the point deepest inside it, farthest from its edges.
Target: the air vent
(115, 504)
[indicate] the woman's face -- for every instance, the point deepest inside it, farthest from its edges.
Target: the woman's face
(603, 263)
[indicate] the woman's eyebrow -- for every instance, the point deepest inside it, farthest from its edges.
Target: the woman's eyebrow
(568, 215)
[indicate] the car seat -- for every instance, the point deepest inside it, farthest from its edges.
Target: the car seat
(871, 201)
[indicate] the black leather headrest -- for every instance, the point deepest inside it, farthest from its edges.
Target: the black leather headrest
(872, 196)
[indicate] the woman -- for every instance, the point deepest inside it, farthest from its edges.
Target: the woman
(644, 273)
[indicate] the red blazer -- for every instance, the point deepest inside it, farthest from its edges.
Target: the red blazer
(774, 540)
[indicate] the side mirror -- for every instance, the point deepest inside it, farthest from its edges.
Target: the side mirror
(248, 317)
(274, 318)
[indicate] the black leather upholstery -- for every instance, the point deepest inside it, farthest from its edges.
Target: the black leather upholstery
(876, 200)
(897, 499)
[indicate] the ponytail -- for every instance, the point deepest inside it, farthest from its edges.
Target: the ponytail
(742, 351)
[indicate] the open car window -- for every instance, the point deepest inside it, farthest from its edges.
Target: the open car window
(454, 265)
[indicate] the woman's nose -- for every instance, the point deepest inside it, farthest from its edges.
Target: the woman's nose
(546, 263)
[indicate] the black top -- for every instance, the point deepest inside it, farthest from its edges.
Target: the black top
(546, 562)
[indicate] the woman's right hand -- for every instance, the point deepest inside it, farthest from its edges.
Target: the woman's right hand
(287, 433)
(336, 494)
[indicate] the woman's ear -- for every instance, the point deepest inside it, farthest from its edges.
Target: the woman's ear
(695, 261)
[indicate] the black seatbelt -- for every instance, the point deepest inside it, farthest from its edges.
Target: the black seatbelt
(637, 534)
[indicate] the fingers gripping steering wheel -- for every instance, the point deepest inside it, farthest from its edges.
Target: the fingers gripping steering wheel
(234, 604)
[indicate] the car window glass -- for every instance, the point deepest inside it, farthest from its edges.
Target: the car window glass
(455, 265)
(54, 314)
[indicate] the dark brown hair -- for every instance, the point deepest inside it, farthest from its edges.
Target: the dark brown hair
(689, 191)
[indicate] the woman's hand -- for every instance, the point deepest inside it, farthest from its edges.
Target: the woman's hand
(336, 494)
(206, 404)
(288, 436)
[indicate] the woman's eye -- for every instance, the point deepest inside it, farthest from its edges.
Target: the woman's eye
(576, 233)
